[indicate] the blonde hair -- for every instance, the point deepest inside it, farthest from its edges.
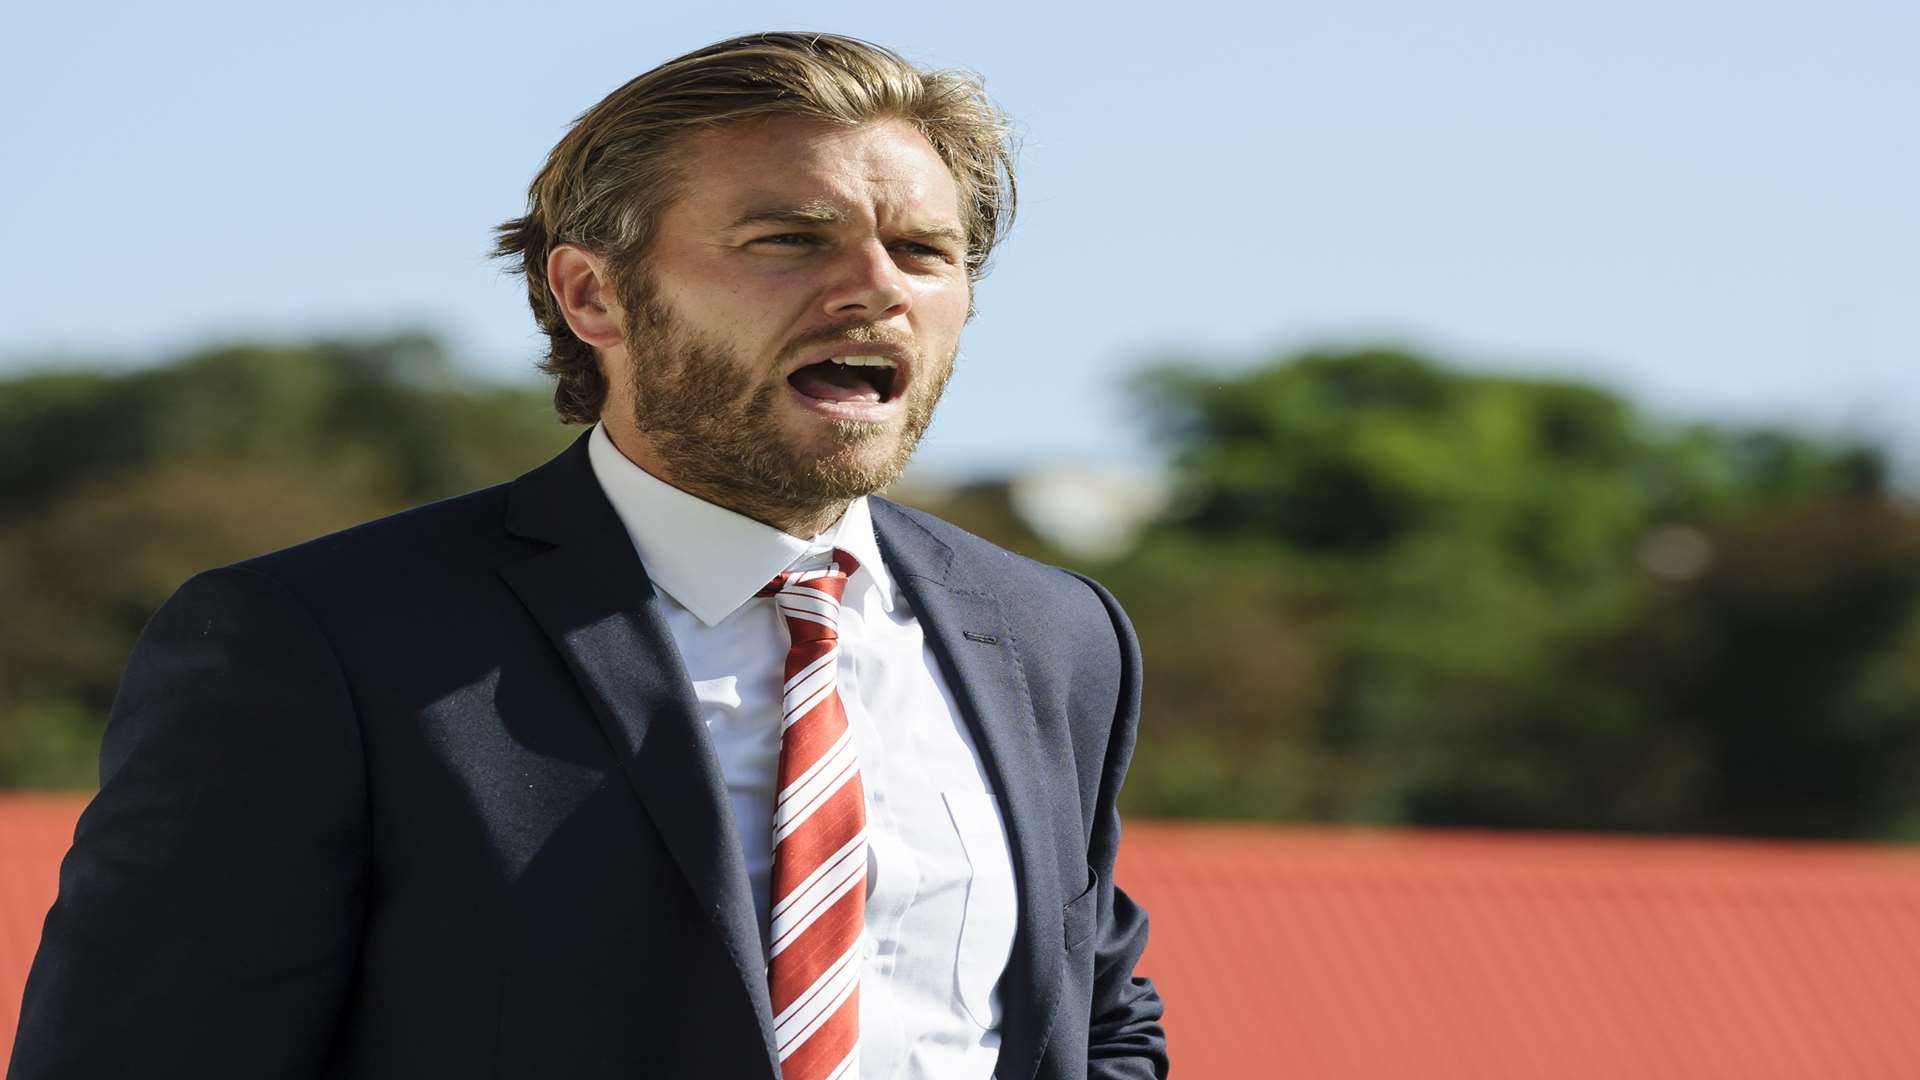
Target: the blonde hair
(616, 171)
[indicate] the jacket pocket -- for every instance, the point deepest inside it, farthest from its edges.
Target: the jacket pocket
(1082, 912)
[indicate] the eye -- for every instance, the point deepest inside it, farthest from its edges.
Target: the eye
(926, 251)
(788, 240)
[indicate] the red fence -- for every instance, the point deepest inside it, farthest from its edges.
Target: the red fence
(1348, 954)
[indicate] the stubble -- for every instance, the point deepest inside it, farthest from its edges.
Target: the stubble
(729, 449)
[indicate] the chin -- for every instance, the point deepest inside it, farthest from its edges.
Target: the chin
(845, 441)
(852, 469)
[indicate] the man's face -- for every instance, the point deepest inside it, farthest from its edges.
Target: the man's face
(796, 245)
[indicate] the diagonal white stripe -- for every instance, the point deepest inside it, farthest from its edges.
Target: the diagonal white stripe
(811, 593)
(805, 906)
(821, 679)
(825, 1001)
(849, 1065)
(809, 617)
(809, 601)
(826, 866)
(794, 811)
(830, 759)
(805, 1000)
(801, 709)
(832, 654)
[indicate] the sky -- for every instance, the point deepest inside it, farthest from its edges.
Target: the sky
(1709, 207)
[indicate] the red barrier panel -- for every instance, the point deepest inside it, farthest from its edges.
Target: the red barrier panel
(1338, 954)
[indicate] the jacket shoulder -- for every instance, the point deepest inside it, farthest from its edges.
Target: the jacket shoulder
(974, 554)
(461, 531)
(1063, 599)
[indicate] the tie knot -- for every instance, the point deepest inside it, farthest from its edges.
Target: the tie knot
(809, 600)
(831, 578)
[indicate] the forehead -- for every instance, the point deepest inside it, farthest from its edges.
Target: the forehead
(880, 170)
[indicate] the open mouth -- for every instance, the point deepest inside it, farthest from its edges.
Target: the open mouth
(848, 379)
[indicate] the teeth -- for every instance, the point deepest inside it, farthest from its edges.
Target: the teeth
(863, 361)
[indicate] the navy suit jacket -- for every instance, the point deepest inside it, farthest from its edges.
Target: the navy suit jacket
(431, 797)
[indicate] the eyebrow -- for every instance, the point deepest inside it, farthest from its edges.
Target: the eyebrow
(816, 213)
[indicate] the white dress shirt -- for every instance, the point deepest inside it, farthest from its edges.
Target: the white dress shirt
(940, 888)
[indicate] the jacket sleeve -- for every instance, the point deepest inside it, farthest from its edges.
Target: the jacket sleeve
(1125, 1040)
(210, 907)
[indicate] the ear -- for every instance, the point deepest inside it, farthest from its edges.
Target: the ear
(584, 289)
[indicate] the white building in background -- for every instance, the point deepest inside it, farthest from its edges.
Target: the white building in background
(1089, 511)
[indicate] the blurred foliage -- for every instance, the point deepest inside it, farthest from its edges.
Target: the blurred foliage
(1389, 591)
(1403, 594)
(115, 488)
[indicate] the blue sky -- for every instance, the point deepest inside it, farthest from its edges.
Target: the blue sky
(1709, 206)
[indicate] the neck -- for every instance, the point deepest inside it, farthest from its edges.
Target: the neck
(803, 522)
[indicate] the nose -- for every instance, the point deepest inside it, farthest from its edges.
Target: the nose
(867, 284)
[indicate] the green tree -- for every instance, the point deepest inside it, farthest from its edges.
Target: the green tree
(116, 487)
(1405, 594)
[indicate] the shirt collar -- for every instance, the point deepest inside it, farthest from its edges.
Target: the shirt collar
(711, 559)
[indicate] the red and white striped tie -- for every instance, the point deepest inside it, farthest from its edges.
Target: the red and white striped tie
(819, 892)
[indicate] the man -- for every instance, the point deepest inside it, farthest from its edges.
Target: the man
(678, 756)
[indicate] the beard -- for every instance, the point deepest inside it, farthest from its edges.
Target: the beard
(727, 447)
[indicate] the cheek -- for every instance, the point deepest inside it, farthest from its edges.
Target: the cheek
(943, 312)
(733, 319)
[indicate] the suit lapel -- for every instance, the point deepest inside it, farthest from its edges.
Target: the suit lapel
(591, 595)
(968, 630)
